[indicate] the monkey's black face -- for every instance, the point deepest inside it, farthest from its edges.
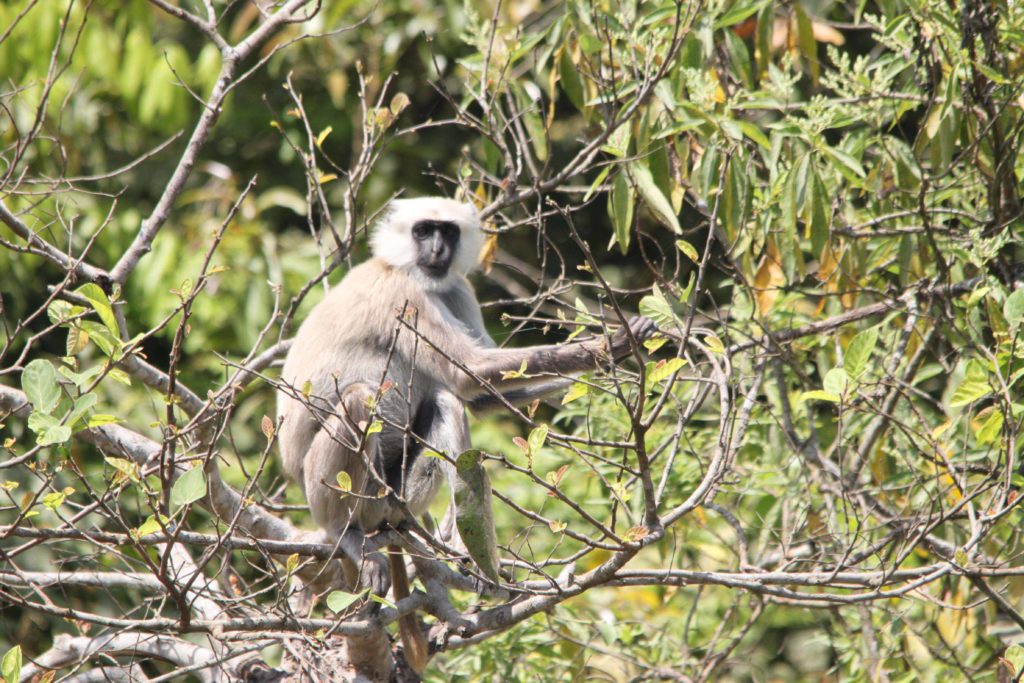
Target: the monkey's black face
(436, 243)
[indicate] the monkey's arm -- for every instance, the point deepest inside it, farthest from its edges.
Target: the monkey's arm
(500, 368)
(488, 403)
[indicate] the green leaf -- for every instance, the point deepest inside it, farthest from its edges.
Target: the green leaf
(1013, 309)
(537, 438)
(836, 382)
(818, 211)
(1015, 656)
(54, 500)
(970, 390)
(60, 311)
(39, 382)
(990, 430)
(657, 308)
(569, 78)
(77, 340)
(150, 526)
(48, 429)
(618, 141)
(82, 405)
(763, 39)
(738, 13)
(655, 342)
(339, 601)
(83, 378)
(55, 434)
(655, 199)
(514, 374)
(99, 420)
(10, 667)
(808, 45)
(665, 369)
(847, 165)
(108, 343)
(474, 516)
(734, 195)
(739, 59)
(380, 600)
(189, 487)
(620, 208)
(714, 344)
(344, 481)
(597, 183)
(577, 390)
(689, 250)
(101, 304)
(124, 469)
(754, 133)
(858, 353)
(818, 395)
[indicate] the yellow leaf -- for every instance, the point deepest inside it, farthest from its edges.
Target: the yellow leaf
(768, 279)
(398, 103)
(489, 252)
(714, 343)
(577, 390)
(823, 33)
(828, 265)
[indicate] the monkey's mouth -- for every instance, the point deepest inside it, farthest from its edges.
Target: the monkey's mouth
(436, 271)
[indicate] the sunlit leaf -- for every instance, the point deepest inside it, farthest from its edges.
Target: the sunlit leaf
(836, 381)
(474, 516)
(576, 391)
(970, 390)
(664, 369)
(101, 304)
(656, 201)
(189, 487)
(339, 601)
(858, 352)
(10, 666)
(39, 382)
(620, 208)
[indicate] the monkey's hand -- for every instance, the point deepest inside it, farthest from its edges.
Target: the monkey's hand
(642, 329)
(375, 574)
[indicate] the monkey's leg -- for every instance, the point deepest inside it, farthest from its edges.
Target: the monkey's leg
(334, 449)
(441, 424)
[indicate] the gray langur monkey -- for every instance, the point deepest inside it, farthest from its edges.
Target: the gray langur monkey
(401, 339)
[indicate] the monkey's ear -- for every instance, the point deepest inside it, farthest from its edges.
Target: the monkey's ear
(474, 516)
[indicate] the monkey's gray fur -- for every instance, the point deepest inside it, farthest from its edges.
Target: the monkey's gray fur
(355, 340)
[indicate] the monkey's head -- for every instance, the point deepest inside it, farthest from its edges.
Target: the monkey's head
(431, 237)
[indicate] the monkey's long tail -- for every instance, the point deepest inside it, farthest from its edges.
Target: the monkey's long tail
(413, 642)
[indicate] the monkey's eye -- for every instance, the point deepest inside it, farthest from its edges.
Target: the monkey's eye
(420, 231)
(450, 230)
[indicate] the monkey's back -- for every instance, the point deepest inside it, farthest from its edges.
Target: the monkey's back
(348, 338)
